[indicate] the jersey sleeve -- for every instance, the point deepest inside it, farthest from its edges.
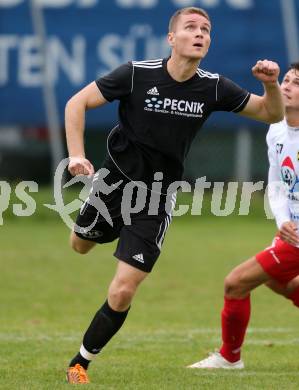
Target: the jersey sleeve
(272, 154)
(116, 84)
(230, 96)
(277, 194)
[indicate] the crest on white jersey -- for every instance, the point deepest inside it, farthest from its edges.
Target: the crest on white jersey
(288, 175)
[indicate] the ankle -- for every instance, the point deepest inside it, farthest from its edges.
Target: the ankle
(231, 355)
(79, 359)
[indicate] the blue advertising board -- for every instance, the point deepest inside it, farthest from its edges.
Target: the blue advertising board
(88, 38)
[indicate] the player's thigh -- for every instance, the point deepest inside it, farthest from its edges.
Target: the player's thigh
(99, 220)
(247, 275)
(284, 289)
(277, 287)
(293, 285)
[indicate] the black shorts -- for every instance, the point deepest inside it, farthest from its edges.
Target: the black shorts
(140, 242)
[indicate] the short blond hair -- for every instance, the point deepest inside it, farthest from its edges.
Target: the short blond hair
(186, 11)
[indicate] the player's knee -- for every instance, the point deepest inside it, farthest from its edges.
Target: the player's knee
(232, 286)
(80, 247)
(121, 295)
(229, 285)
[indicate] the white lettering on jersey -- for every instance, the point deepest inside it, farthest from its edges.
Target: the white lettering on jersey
(175, 106)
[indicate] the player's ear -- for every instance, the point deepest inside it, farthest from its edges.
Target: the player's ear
(171, 38)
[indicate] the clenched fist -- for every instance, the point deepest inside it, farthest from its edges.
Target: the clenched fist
(80, 166)
(266, 71)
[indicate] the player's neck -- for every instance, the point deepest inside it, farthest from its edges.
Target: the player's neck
(181, 69)
(292, 118)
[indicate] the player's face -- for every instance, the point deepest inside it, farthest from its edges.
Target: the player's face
(290, 89)
(191, 37)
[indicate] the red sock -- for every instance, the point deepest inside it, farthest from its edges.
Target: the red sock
(235, 317)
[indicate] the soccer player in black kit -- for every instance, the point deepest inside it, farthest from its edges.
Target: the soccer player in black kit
(163, 103)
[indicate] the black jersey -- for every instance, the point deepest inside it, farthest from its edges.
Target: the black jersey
(159, 116)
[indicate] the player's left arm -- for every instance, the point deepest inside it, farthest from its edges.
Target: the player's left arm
(268, 108)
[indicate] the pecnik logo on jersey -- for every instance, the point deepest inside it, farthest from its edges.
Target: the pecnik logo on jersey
(173, 106)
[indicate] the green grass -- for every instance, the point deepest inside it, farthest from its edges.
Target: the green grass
(49, 294)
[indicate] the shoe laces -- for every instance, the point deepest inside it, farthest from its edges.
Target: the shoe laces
(211, 355)
(80, 373)
(215, 352)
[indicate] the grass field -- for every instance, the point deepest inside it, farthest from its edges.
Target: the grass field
(49, 294)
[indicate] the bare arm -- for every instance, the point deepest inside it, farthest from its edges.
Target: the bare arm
(268, 108)
(88, 97)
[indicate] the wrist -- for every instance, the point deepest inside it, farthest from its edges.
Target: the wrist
(271, 84)
(76, 156)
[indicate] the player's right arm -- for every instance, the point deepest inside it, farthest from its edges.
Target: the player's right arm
(88, 97)
(113, 86)
(268, 108)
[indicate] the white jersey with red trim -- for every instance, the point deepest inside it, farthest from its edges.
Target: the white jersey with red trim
(283, 188)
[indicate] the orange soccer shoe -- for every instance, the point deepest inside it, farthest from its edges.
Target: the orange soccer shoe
(77, 375)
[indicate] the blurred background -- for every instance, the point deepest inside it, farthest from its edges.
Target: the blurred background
(49, 49)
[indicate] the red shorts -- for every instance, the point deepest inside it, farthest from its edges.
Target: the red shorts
(280, 261)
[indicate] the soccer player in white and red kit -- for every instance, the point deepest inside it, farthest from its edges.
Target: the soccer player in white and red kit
(278, 265)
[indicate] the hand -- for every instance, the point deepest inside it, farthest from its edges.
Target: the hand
(80, 166)
(266, 71)
(288, 233)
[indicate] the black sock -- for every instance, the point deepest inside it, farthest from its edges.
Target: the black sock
(79, 359)
(102, 328)
(104, 325)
